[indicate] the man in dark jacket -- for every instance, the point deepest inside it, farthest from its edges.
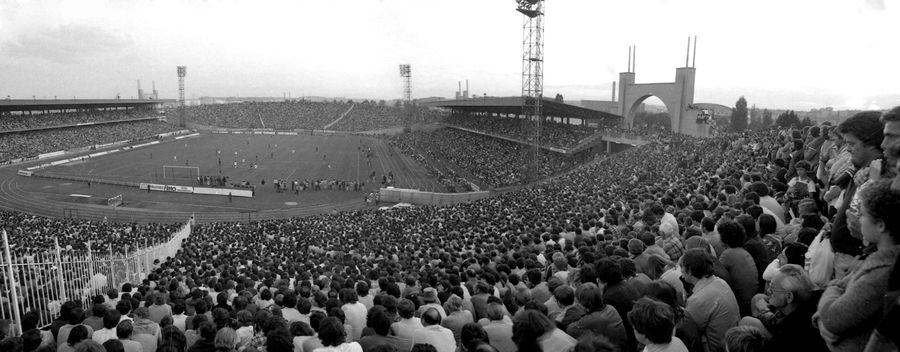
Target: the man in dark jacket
(791, 303)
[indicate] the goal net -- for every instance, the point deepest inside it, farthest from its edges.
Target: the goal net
(115, 200)
(181, 172)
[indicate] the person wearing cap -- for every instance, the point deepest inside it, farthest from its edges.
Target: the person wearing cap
(636, 251)
(430, 300)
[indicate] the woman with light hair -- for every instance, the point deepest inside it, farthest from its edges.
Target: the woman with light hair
(226, 340)
(456, 317)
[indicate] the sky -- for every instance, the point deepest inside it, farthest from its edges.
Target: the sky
(783, 54)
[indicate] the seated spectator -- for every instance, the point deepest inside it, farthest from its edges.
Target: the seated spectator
(745, 339)
(712, 303)
(333, 337)
(654, 324)
(434, 334)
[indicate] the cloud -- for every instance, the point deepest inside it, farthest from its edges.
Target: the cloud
(67, 44)
(877, 5)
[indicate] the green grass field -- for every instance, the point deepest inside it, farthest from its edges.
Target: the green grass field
(300, 157)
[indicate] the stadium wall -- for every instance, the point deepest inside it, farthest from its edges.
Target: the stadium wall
(414, 196)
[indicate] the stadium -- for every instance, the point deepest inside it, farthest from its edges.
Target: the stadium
(479, 223)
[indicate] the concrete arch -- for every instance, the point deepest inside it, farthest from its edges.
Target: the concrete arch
(678, 97)
(637, 103)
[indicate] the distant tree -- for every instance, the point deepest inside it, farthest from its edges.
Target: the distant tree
(397, 104)
(806, 122)
(787, 119)
(382, 102)
(767, 118)
(559, 98)
(739, 115)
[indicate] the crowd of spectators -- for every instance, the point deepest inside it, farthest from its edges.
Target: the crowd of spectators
(31, 234)
(687, 245)
(645, 133)
(556, 134)
(32, 143)
(370, 115)
(446, 176)
(303, 114)
(284, 115)
(30, 121)
(493, 161)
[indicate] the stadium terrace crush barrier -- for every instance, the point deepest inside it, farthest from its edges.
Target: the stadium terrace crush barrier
(42, 281)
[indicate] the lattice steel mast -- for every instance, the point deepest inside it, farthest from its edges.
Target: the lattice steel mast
(406, 74)
(533, 76)
(182, 71)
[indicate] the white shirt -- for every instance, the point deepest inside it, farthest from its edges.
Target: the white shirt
(344, 347)
(179, 321)
(355, 314)
(407, 328)
(102, 335)
(438, 336)
(290, 314)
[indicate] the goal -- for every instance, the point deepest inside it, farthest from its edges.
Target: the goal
(115, 200)
(181, 172)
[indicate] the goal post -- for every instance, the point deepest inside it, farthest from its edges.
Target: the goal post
(115, 200)
(181, 172)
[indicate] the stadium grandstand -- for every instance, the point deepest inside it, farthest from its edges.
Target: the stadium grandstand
(629, 243)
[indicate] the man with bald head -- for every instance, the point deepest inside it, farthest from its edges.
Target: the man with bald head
(434, 334)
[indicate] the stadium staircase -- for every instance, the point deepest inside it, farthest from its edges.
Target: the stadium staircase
(339, 118)
(586, 143)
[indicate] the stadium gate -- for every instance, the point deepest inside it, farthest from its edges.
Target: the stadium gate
(41, 282)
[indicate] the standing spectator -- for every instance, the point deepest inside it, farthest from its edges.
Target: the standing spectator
(851, 307)
(863, 133)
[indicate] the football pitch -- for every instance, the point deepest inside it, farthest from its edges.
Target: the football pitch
(254, 159)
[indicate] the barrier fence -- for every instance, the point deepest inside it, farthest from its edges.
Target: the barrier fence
(41, 282)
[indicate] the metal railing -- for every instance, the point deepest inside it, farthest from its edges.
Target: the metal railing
(41, 282)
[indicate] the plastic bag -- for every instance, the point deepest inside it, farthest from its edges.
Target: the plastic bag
(820, 260)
